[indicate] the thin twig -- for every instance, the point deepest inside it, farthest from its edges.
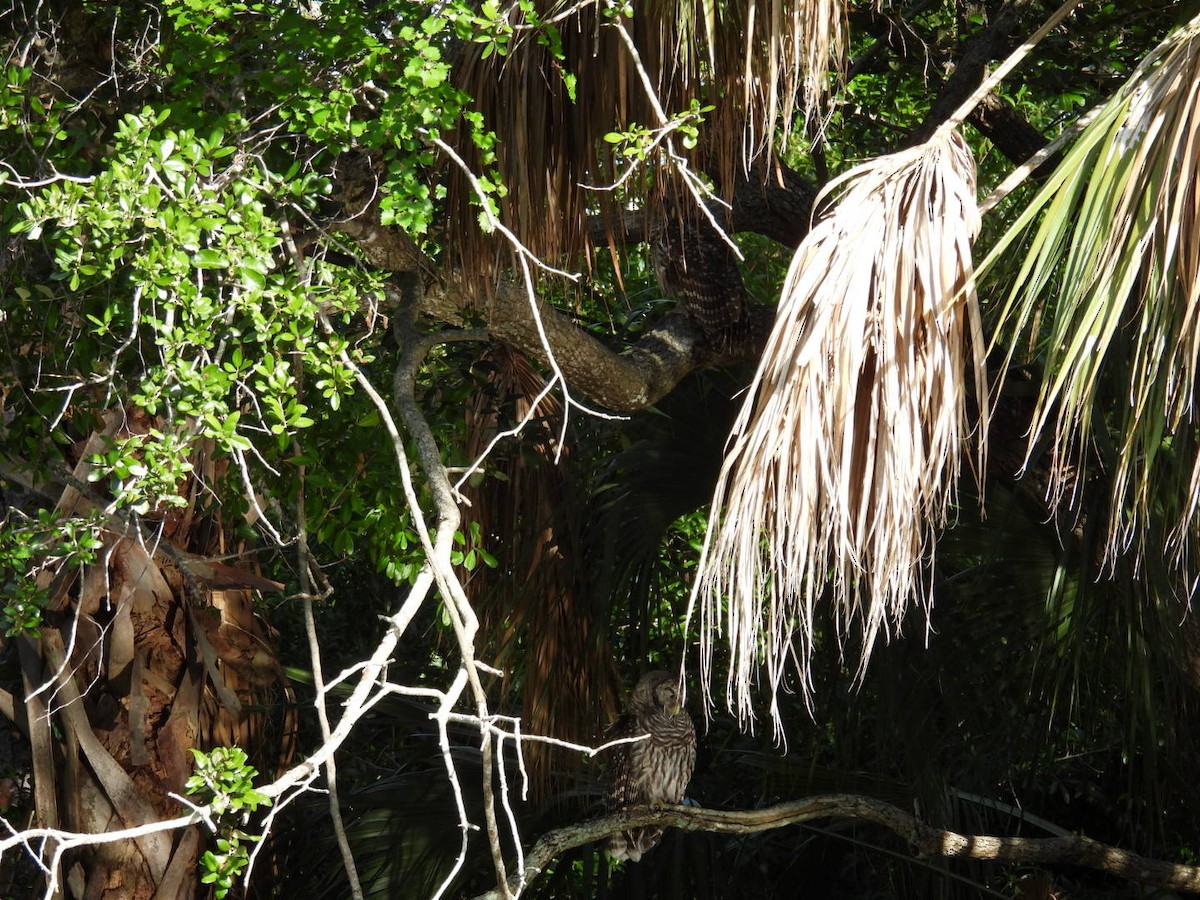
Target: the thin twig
(304, 562)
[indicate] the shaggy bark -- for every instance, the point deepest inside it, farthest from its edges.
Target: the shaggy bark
(130, 651)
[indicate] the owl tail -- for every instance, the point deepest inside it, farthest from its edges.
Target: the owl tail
(635, 842)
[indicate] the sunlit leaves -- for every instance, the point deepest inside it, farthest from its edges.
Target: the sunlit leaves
(469, 553)
(173, 222)
(225, 780)
(32, 552)
(144, 470)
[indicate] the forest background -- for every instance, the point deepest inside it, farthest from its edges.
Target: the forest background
(369, 376)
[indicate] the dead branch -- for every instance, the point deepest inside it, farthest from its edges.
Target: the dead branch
(923, 840)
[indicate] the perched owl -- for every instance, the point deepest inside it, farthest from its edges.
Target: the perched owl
(696, 267)
(654, 771)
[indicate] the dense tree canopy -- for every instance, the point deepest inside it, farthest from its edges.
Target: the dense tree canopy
(388, 384)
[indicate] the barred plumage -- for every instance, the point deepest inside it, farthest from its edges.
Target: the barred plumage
(696, 267)
(654, 771)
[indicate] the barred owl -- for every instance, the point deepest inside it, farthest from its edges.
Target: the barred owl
(696, 267)
(653, 771)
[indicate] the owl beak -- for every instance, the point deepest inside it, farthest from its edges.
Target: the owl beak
(676, 708)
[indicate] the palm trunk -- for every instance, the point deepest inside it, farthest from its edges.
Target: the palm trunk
(145, 657)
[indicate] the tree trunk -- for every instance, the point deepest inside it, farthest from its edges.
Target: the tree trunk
(145, 656)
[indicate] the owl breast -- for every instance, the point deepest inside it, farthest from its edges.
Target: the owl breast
(655, 770)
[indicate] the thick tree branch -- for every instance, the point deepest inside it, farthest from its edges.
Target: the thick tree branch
(778, 205)
(923, 840)
(994, 118)
(590, 366)
(620, 381)
(1000, 123)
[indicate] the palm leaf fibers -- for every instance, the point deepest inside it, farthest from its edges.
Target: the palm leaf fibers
(843, 462)
(747, 59)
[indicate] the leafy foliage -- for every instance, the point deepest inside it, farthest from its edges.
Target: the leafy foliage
(225, 782)
(193, 196)
(32, 549)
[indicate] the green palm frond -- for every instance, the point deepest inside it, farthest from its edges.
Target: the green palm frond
(1112, 275)
(843, 462)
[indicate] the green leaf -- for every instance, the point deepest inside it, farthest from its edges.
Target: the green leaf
(252, 278)
(209, 259)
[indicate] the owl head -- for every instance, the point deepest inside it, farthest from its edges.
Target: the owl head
(658, 691)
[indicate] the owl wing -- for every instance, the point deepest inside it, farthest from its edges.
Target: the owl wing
(627, 786)
(696, 267)
(622, 779)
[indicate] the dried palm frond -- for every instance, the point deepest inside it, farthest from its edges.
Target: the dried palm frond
(534, 609)
(750, 60)
(1112, 261)
(801, 39)
(843, 462)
